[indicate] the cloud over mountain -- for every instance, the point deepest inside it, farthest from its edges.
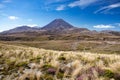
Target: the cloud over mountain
(13, 17)
(82, 3)
(104, 26)
(60, 8)
(109, 7)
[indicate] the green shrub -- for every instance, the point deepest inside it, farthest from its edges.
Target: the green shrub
(60, 75)
(47, 77)
(46, 67)
(22, 64)
(108, 73)
(62, 58)
(37, 60)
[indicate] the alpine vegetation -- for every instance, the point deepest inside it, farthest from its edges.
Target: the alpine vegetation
(27, 63)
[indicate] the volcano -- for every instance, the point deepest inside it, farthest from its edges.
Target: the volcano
(58, 24)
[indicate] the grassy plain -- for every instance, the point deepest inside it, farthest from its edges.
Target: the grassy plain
(29, 63)
(109, 47)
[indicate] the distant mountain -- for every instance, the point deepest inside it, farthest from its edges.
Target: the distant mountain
(57, 29)
(117, 33)
(21, 29)
(58, 24)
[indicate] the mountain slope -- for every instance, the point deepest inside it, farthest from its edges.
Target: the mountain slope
(58, 24)
(21, 29)
(117, 33)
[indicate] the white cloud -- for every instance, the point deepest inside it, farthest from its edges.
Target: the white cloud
(107, 8)
(60, 8)
(32, 25)
(12, 17)
(82, 3)
(104, 26)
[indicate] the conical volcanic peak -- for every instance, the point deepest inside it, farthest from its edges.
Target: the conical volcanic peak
(58, 24)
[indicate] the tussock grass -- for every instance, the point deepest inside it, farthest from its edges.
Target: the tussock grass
(27, 63)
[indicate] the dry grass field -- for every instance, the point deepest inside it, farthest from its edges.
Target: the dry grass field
(28, 63)
(109, 47)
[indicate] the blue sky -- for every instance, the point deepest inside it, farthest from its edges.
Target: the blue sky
(91, 14)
